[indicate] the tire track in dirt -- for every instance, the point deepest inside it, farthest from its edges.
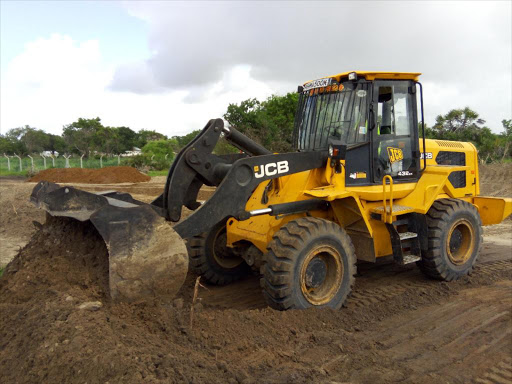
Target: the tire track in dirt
(368, 297)
(432, 343)
(246, 294)
(500, 373)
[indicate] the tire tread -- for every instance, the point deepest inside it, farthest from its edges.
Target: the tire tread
(283, 250)
(433, 264)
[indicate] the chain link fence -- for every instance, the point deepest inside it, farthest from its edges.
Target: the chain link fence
(14, 165)
(35, 163)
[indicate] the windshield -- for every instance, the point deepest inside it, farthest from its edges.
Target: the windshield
(341, 115)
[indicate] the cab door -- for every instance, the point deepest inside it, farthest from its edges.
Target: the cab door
(395, 144)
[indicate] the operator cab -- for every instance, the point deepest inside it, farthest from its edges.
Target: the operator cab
(373, 113)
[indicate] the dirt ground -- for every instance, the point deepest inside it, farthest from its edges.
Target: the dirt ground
(398, 326)
(105, 175)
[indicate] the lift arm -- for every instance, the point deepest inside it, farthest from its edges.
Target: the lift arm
(236, 177)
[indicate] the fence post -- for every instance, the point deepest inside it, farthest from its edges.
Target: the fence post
(19, 158)
(67, 160)
(8, 162)
(118, 159)
(81, 163)
(101, 161)
(32, 162)
(44, 160)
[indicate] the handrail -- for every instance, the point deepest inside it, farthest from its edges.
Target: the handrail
(423, 131)
(386, 177)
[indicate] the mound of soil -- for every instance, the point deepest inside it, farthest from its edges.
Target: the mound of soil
(496, 180)
(107, 175)
(47, 336)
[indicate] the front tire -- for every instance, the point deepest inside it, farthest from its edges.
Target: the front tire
(310, 262)
(454, 240)
(212, 259)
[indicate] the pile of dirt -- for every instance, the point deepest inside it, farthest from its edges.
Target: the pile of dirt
(496, 180)
(16, 216)
(46, 334)
(107, 175)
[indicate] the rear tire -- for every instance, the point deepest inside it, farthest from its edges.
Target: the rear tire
(212, 259)
(310, 262)
(454, 240)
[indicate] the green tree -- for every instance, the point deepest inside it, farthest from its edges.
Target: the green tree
(126, 139)
(144, 136)
(506, 137)
(269, 122)
(79, 135)
(160, 148)
(56, 143)
(457, 120)
(10, 146)
(33, 140)
(182, 141)
(105, 140)
(466, 125)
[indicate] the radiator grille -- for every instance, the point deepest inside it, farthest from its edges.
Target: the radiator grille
(451, 158)
(449, 144)
(458, 179)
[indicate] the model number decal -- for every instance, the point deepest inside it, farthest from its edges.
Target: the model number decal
(404, 173)
(271, 169)
(427, 155)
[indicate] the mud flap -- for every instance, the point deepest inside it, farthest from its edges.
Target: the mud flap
(147, 258)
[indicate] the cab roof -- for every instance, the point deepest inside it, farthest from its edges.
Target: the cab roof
(372, 75)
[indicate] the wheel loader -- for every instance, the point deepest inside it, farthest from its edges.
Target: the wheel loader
(363, 184)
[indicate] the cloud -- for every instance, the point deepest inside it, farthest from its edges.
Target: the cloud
(205, 55)
(135, 77)
(52, 79)
(56, 80)
(464, 46)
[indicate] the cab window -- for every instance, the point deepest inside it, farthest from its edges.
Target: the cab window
(393, 141)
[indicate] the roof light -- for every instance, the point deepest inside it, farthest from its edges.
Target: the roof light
(352, 76)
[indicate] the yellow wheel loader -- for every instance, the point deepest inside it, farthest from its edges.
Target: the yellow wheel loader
(363, 184)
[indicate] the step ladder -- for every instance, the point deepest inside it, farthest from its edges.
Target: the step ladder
(405, 242)
(402, 226)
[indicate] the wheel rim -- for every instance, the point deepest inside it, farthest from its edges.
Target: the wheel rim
(460, 242)
(222, 254)
(321, 275)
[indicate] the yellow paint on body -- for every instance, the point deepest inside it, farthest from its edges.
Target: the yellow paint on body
(352, 207)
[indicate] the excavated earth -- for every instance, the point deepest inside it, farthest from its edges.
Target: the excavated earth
(57, 323)
(107, 175)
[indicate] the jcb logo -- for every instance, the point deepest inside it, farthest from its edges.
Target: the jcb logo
(271, 169)
(395, 154)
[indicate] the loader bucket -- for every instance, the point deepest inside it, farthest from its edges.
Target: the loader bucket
(147, 258)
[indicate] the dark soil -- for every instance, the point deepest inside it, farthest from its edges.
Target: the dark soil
(46, 338)
(107, 175)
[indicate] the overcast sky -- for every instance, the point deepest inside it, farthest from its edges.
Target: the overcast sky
(171, 66)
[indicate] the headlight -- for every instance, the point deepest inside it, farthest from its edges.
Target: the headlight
(352, 76)
(337, 149)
